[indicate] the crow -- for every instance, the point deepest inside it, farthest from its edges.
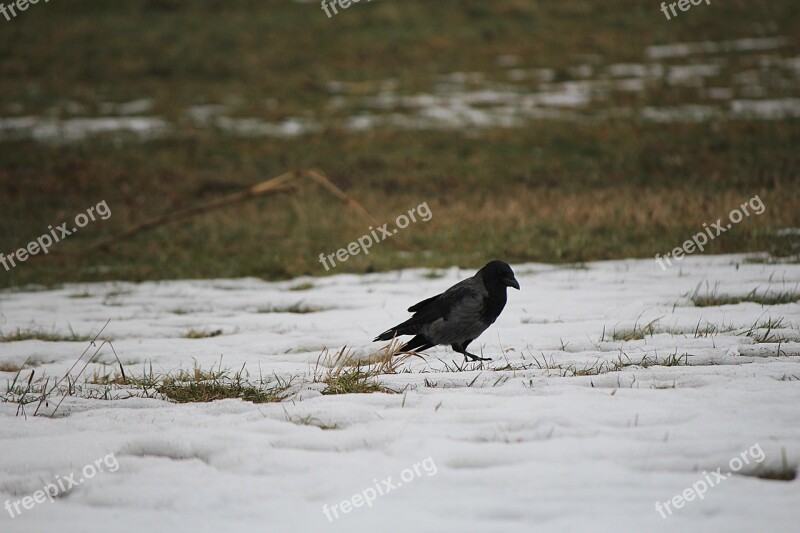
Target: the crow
(458, 315)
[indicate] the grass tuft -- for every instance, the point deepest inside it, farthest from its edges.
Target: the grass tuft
(295, 308)
(353, 381)
(201, 333)
(637, 333)
(41, 335)
(784, 473)
(84, 294)
(203, 391)
(308, 420)
(764, 331)
(346, 375)
(713, 298)
(9, 366)
(599, 367)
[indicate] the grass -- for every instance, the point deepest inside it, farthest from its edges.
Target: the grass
(42, 335)
(309, 420)
(201, 333)
(770, 260)
(776, 298)
(295, 308)
(547, 214)
(347, 375)
(763, 330)
(8, 366)
(713, 298)
(354, 47)
(636, 333)
(343, 375)
(663, 386)
(599, 367)
(302, 287)
(549, 191)
(220, 390)
(183, 386)
(353, 381)
(116, 378)
(77, 295)
(783, 473)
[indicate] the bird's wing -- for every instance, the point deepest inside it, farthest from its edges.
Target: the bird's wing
(436, 309)
(419, 305)
(439, 306)
(450, 295)
(463, 322)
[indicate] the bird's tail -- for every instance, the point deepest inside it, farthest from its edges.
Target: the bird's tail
(404, 328)
(387, 335)
(417, 344)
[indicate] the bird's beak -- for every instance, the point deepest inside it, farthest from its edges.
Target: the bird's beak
(511, 282)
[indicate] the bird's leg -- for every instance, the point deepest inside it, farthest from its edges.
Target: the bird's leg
(462, 349)
(472, 357)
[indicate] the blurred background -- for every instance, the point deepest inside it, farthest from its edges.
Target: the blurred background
(552, 130)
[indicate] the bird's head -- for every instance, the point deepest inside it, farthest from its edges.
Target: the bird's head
(499, 272)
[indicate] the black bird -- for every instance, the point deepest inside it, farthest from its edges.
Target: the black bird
(458, 315)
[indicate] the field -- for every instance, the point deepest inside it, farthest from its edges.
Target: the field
(217, 371)
(547, 131)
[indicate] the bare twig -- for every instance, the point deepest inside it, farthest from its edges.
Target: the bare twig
(76, 378)
(91, 343)
(275, 185)
(319, 177)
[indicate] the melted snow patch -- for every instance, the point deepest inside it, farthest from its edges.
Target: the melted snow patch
(76, 129)
(666, 51)
(635, 70)
(691, 74)
(254, 127)
(766, 109)
(687, 113)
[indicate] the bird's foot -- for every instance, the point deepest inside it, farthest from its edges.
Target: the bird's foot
(472, 357)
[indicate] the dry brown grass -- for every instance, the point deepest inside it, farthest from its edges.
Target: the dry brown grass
(347, 373)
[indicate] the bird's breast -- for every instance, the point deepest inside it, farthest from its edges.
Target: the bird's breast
(493, 305)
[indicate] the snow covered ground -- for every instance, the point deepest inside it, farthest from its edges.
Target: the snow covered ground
(581, 432)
